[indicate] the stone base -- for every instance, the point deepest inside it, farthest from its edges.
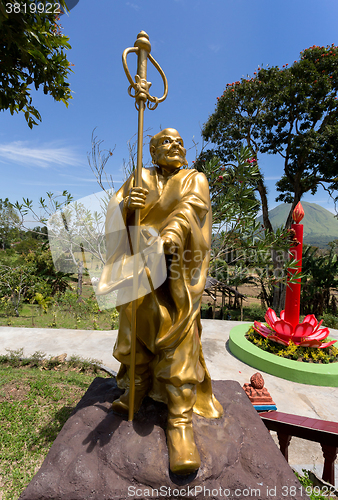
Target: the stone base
(100, 456)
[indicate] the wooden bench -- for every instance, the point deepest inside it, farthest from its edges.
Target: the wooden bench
(312, 429)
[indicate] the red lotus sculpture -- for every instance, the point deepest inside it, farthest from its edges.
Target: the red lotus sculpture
(305, 334)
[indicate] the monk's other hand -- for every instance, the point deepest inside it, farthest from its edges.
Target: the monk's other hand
(169, 246)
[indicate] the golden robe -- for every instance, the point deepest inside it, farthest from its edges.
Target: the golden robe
(168, 319)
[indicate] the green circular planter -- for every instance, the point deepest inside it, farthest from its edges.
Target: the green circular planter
(296, 371)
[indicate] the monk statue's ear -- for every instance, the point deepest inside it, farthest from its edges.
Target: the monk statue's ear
(152, 150)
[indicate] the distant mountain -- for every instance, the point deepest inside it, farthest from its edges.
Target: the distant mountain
(320, 225)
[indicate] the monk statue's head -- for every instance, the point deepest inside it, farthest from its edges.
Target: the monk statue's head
(167, 150)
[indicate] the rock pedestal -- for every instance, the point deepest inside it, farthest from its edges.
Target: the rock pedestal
(100, 456)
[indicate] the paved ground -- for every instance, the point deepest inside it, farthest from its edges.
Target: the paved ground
(290, 397)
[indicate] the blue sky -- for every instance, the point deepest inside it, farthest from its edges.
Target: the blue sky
(200, 44)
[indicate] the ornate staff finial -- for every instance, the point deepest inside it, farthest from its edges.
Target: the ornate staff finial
(141, 87)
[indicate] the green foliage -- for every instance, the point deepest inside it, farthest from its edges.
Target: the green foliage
(253, 313)
(330, 321)
(27, 245)
(49, 280)
(114, 316)
(236, 234)
(233, 200)
(15, 283)
(321, 276)
(306, 354)
(32, 52)
(9, 220)
(314, 492)
(43, 302)
(75, 232)
(291, 112)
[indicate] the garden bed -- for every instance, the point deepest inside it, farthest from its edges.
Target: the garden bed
(304, 373)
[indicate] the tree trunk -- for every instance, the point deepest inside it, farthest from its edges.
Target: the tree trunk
(263, 194)
(278, 300)
(296, 199)
(80, 279)
(279, 291)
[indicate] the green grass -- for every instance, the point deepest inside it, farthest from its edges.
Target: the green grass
(314, 492)
(37, 397)
(62, 315)
(31, 317)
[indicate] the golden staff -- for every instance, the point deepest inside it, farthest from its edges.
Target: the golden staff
(142, 97)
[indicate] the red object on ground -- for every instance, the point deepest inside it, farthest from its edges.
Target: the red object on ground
(256, 392)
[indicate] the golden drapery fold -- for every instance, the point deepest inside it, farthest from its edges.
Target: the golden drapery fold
(168, 318)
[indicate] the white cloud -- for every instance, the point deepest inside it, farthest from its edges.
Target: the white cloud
(42, 156)
(214, 47)
(133, 6)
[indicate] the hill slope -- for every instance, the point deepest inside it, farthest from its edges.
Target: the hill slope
(320, 225)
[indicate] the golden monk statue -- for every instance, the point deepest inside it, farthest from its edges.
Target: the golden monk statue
(169, 359)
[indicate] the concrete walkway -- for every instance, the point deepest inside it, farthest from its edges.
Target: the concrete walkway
(290, 397)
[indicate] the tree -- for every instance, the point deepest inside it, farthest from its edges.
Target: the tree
(32, 52)
(14, 284)
(241, 251)
(75, 231)
(291, 112)
(9, 221)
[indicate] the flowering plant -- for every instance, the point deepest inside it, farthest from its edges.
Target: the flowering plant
(306, 334)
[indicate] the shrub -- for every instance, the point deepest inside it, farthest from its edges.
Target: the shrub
(254, 313)
(330, 320)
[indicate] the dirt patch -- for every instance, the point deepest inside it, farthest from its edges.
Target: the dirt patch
(14, 391)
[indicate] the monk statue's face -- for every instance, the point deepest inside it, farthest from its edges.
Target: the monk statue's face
(167, 150)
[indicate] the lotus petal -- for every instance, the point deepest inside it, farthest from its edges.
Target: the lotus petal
(308, 343)
(320, 334)
(262, 329)
(283, 328)
(282, 314)
(271, 317)
(327, 344)
(301, 331)
(279, 340)
(318, 326)
(310, 318)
